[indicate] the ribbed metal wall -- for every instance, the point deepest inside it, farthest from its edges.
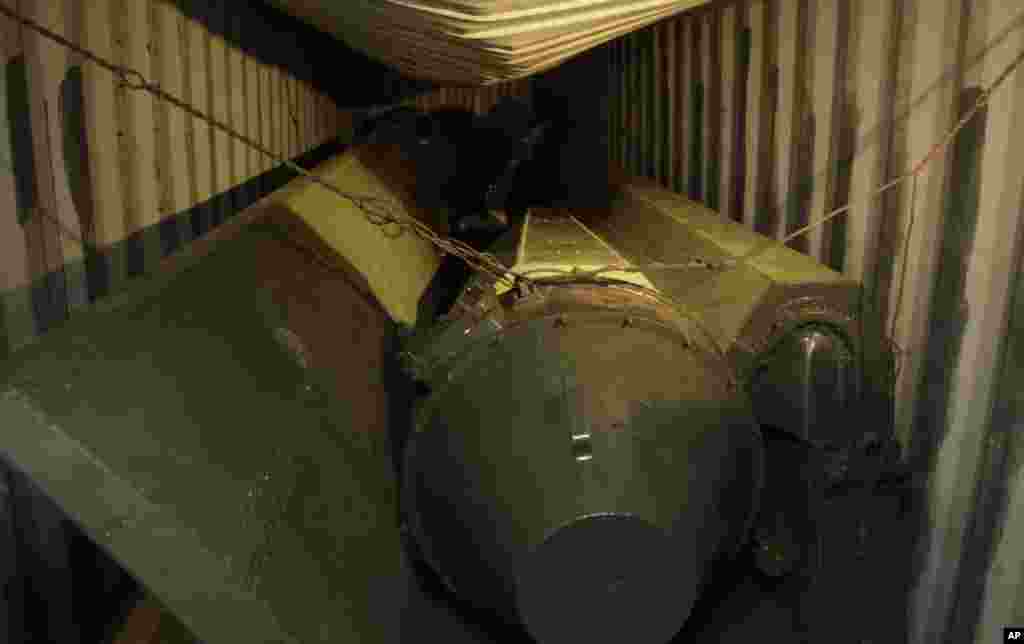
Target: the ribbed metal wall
(771, 111)
(478, 99)
(774, 111)
(82, 157)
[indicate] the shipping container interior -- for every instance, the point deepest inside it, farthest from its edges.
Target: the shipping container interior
(874, 136)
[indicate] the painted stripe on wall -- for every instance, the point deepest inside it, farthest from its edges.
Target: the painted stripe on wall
(826, 24)
(708, 53)
(842, 133)
(172, 155)
(252, 99)
(684, 92)
(671, 103)
(874, 43)
(726, 37)
(289, 116)
(696, 129)
(107, 193)
(318, 117)
(46, 242)
(654, 94)
(16, 319)
(642, 159)
(300, 112)
(303, 111)
(71, 139)
(739, 168)
(276, 110)
(197, 83)
(625, 104)
(237, 112)
(219, 106)
(615, 102)
(281, 111)
(632, 104)
(789, 57)
(330, 118)
(637, 135)
(755, 93)
(650, 103)
(804, 133)
(628, 102)
(299, 106)
(266, 99)
(286, 120)
(138, 145)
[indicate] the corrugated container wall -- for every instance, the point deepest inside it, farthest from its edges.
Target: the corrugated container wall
(477, 99)
(85, 158)
(776, 112)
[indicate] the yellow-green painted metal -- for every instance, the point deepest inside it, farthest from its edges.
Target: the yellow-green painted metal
(396, 264)
(778, 263)
(553, 245)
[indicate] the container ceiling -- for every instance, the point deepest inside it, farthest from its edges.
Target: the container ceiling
(479, 42)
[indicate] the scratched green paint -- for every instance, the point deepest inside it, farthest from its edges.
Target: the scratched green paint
(208, 461)
(17, 324)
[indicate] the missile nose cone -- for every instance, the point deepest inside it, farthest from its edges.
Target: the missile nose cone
(606, 578)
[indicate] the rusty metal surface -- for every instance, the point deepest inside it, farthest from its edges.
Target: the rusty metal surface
(557, 241)
(553, 243)
(431, 352)
(644, 233)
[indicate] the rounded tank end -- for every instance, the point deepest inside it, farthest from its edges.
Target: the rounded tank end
(605, 579)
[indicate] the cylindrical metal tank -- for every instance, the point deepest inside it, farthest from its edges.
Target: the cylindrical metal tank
(583, 457)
